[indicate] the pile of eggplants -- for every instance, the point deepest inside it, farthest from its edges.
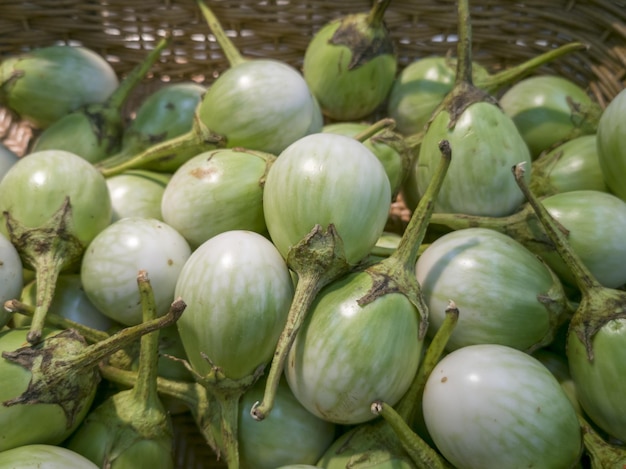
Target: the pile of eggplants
(226, 250)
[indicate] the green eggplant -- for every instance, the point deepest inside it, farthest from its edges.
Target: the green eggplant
(95, 131)
(45, 84)
(350, 64)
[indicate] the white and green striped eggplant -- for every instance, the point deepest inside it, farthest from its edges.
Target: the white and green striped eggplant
(350, 64)
(346, 355)
(487, 145)
(274, 106)
(365, 445)
(238, 290)
(39, 456)
(11, 276)
(137, 193)
(611, 144)
(549, 110)
(111, 262)
(571, 166)
(507, 295)
(388, 146)
(53, 204)
(217, 191)
(492, 406)
(324, 179)
(47, 83)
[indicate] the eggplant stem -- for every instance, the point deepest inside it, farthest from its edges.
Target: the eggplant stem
(232, 54)
(376, 14)
(409, 246)
(494, 82)
(318, 259)
(144, 391)
(100, 350)
(174, 151)
(585, 280)
(119, 96)
(54, 320)
(418, 450)
(464, 46)
(385, 123)
(410, 405)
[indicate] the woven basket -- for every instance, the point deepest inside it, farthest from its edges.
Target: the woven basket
(504, 33)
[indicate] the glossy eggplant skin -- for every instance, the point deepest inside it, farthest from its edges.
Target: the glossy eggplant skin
(486, 145)
(346, 354)
(42, 456)
(611, 144)
(45, 84)
(549, 110)
(508, 296)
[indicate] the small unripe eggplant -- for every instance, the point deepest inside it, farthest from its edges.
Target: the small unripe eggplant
(350, 64)
(45, 84)
(317, 171)
(573, 165)
(95, 131)
(291, 434)
(524, 417)
(38, 456)
(485, 140)
(378, 444)
(420, 88)
(113, 258)
(612, 144)
(217, 191)
(131, 428)
(53, 203)
(549, 110)
(506, 294)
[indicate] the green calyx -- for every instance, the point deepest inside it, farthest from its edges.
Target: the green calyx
(49, 367)
(47, 249)
(362, 39)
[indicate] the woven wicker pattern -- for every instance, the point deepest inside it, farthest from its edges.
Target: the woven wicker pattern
(504, 33)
